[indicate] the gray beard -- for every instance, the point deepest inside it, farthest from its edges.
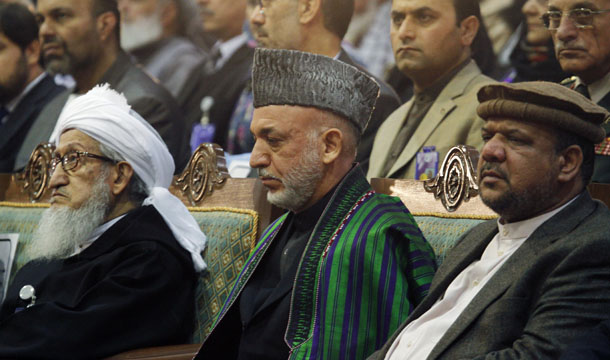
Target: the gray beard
(61, 229)
(141, 32)
(300, 183)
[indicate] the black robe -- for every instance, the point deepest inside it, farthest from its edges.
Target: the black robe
(132, 288)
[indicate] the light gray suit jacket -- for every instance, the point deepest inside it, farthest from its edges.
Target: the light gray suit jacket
(556, 285)
(452, 120)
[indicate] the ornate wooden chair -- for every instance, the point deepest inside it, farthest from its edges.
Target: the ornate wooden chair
(231, 212)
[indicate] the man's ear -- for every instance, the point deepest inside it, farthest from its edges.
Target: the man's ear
(469, 28)
(309, 9)
(106, 25)
(32, 53)
(120, 178)
(570, 162)
(333, 145)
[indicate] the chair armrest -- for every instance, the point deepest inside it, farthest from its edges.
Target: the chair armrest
(172, 352)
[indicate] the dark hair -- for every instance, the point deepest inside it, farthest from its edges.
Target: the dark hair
(337, 15)
(565, 139)
(101, 6)
(481, 47)
(18, 24)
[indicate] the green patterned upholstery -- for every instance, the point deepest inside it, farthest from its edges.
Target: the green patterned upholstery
(443, 231)
(231, 234)
(23, 219)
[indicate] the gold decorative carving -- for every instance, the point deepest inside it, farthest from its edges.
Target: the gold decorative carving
(34, 179)
(457, 179)
(205, 170)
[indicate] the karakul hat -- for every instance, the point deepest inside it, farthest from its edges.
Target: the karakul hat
(289, 77)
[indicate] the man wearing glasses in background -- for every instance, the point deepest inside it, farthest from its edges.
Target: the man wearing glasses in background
(580, 33)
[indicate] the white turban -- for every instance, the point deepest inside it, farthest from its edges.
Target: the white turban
(104, 115)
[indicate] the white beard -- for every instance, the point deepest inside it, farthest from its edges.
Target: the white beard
(61, 229)
(140, 32)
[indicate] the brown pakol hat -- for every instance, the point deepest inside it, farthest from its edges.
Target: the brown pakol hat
(546, 103)
(289, 77)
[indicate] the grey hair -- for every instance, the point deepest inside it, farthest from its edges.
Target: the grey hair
(137, 190)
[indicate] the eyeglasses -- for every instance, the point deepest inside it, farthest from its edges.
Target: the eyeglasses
(71, 160)
(582, 18)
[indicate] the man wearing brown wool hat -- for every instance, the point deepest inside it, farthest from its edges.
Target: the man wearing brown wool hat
(522, 286)
(334, 276)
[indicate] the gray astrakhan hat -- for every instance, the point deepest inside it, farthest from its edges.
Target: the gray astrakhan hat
(289, 77)
(544, 102)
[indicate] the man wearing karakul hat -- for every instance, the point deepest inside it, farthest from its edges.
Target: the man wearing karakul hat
(333, 276)
(116, 255)
(525, 285)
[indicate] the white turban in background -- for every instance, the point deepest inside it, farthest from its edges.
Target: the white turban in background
(104, 114)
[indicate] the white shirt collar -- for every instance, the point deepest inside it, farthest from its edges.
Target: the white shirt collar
(96, 234)
(228, 48)
(600, 88)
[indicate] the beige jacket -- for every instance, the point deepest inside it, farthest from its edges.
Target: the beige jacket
(451, 121)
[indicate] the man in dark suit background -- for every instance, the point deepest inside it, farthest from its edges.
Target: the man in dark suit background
(230, 72)
(81, 38)
(24, 87)
(318, 26)
(524, 286)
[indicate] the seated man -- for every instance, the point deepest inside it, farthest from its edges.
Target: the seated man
(334, 276)
(116, 255)
(157, 34)
(523, 286)
(24, 86)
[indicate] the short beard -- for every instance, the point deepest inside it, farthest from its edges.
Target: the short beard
(59, 65)
(62, 229)
(16, 82)
(514, 205)
(141, 32)
(300, 183)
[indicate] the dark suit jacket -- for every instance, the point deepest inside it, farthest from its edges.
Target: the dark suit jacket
(387, 102)
(133, 287)
(224, 86)
(554, 286)
(149, 99)
(592, 345)
(20, 120)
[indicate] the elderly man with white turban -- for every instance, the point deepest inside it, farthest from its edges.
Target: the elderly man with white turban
(116, 255)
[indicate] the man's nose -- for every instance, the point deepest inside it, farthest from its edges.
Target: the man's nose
(258, 15)
(58, 177)
(406, 31)
(258, 157)
(493, 150)
(567, 30)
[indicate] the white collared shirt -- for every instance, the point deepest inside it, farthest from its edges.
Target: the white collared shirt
(228, 48)
(95, 235)
(417, 339)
